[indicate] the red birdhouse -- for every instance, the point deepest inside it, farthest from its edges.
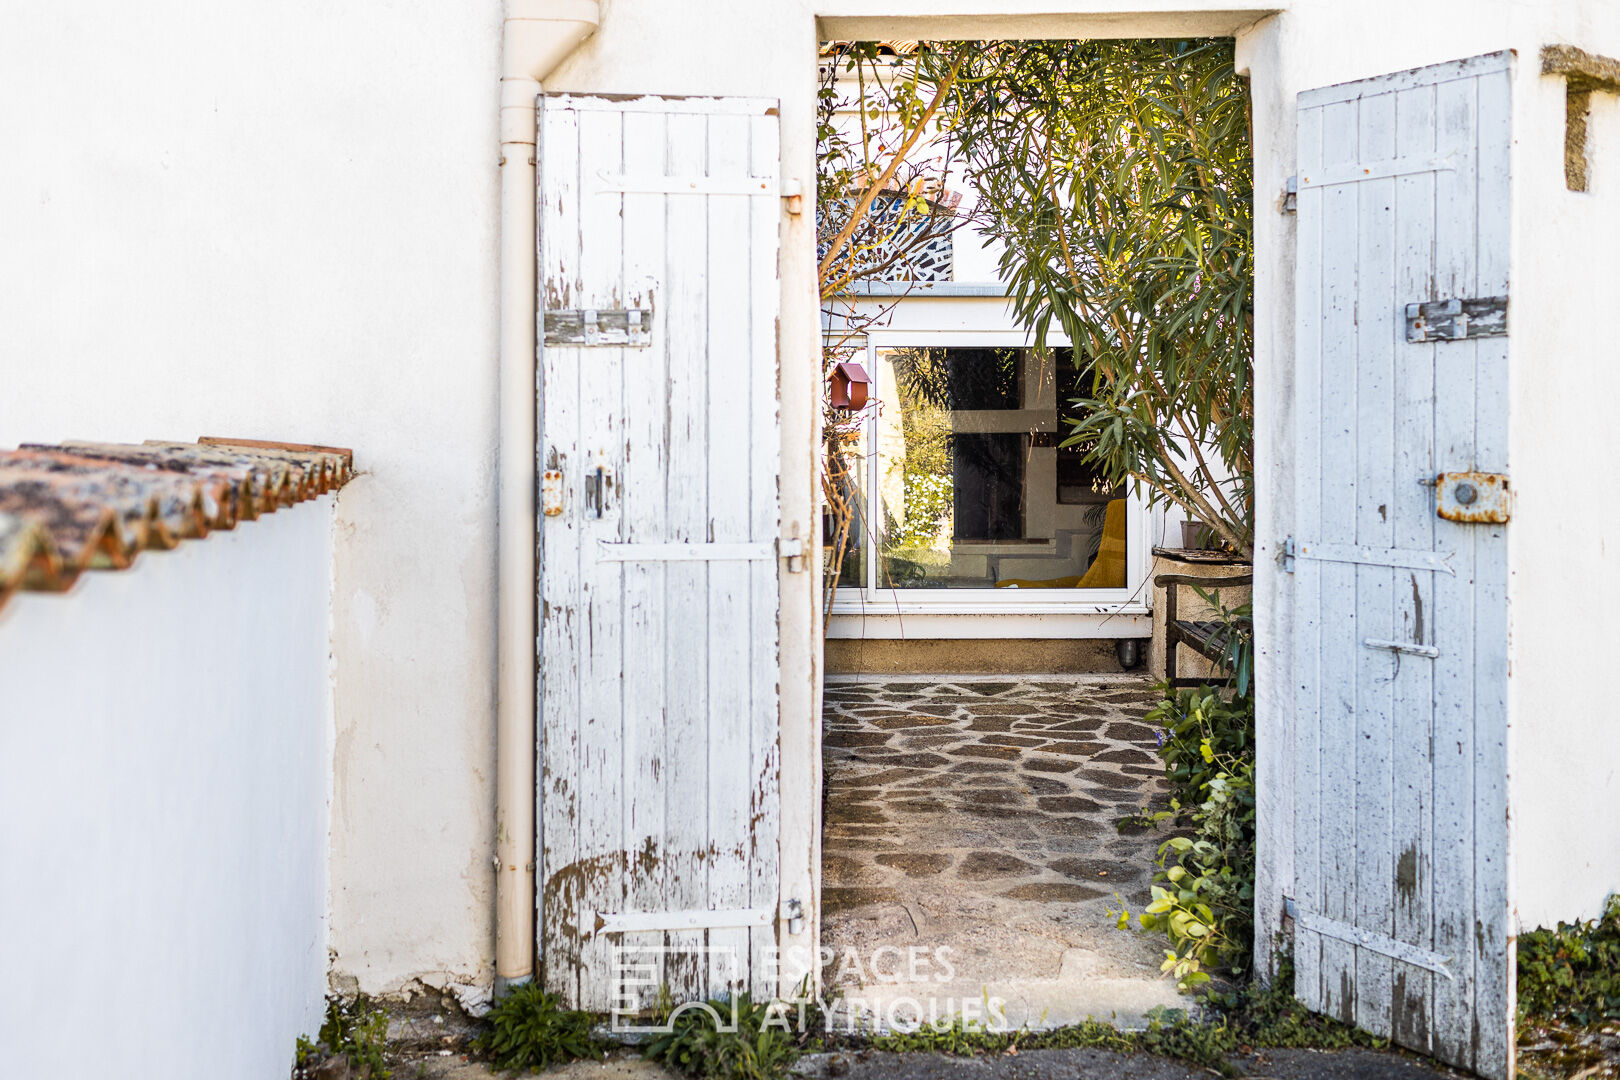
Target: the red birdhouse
(848, 385)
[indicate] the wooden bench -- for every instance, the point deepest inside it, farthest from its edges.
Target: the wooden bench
(1206, 637)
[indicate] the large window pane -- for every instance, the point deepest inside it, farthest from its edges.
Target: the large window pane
(972, 489)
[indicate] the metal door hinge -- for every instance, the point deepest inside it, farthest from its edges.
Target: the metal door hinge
(616, 327)
(1288, 555)
(551, 492)
(1456, 320)
(792, 549)
(613, 551)
(1478, 498)
(1366, 939)
(692, 184)
(1366, 555)
(793, 196)
(1290, 199)
(1402, 647)
(793, 915)
(635, 922)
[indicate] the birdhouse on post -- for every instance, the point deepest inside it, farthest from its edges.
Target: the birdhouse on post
(848, 386)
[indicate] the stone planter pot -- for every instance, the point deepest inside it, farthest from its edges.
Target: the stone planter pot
(1213, 565)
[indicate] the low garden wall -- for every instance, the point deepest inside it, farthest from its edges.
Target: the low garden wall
(165, 779)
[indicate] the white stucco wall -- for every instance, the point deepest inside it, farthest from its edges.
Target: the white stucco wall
(1564, 744)
(282, 225)
(230, 220)
(165, 773)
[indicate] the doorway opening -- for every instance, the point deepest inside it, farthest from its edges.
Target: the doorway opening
(987, 767)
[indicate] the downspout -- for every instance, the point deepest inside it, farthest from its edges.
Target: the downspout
(536, 36)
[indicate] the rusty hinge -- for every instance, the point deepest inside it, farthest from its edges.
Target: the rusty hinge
(1478, 498)
(793, 196)
(551, 492)
(620, 328)
(1456, 320)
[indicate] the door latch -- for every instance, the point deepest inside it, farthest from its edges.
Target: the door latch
(1475, 497)
(597, 481)
(591, 327)
(1456, 320)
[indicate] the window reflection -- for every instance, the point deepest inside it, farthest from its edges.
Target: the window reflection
(845, 481)
(972, 489)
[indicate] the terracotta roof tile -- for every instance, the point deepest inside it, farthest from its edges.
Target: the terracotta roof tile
(95, 506)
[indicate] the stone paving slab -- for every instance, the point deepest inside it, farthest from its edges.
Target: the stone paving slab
(980, 814)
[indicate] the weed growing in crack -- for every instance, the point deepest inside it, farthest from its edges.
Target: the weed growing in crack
(354, 1031)
(763, 1046)
(1569, 998)
(1168, 1034)
(529, 1029)
(1270, 1016)
(1251, 1017)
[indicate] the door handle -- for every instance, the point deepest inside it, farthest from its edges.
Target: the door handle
(596, 484)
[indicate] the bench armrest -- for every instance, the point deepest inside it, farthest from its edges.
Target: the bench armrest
(1165, 581)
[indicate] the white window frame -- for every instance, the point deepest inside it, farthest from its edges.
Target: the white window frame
(872, 600)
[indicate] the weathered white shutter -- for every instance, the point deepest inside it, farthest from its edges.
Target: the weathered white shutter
(1400, 883)
(658, 609)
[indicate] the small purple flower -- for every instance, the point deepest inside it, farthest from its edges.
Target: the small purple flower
(1158, 735)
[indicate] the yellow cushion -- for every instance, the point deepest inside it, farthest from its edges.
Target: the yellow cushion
(1107, 570)
(1049, 583)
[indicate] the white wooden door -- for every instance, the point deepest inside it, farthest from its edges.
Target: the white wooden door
(1400, 884)
(659, 443)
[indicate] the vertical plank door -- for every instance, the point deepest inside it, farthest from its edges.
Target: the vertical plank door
(1400, 906)
(659, 443)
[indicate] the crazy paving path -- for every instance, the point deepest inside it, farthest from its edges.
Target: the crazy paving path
(981, 814)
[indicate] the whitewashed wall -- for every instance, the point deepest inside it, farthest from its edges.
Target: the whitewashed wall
(282, 225)
(165, 773)
(230, 220)
(1563, 742)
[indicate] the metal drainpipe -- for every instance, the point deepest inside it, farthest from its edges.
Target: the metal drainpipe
(536, 36)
